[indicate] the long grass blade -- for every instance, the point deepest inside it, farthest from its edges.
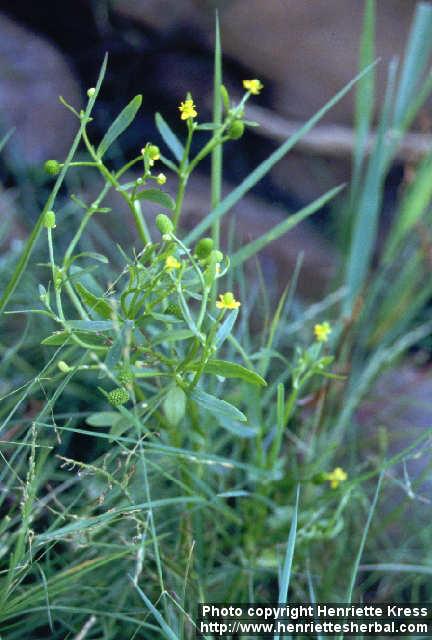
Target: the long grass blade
(289, 554)
(250, 249)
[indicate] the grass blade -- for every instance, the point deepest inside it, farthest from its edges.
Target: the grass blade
(366, 220)
(250, 249)
(169, 137)
(350, 590)
(418, 50)
(289, 554)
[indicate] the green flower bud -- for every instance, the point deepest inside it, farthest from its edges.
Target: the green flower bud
(118, 396)
(153, 152)
(50, 220)
(91, 92)
(52, 167)
(203, 248)
(125, 376)
(174, 405)
(236, 130)
(63, 366)
(174, 310)
(164, 224)
(216, 255)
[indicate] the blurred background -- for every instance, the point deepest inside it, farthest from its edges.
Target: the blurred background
(303, 53)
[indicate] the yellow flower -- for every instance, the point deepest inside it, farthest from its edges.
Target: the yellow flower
(335, 477)
(322, 331)
(187, 110)
(161, 178)
(172, 263)
(254, 86)
(227, 301)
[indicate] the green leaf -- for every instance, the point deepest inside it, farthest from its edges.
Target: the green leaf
(173, 336)
(278, 230)
(6, 138)
(169, 137)
(59, 338)
(174, 405)
(157, 196)
(165, 628)
(289, 554)
(90, 325)
(365, 224)
(99, 305)
(219, 408)
(226, 328)
(102, 419)
(415, 203)
(230, 370)
(416, 59)
(120, 124)
(239, 429)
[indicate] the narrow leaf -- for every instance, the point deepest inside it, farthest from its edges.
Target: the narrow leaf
(217, 407)
(278, 230)
(99, 305)
(157, 196)
(231, 370)
(169, 137)
(90, 325)
(289, 554)
(120, 124)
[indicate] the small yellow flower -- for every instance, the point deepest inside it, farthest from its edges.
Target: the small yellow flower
(187, 110)
(322, 331)
(336, 476)
(172, 263)
(227, 301)
(254, 86)
(161, 178)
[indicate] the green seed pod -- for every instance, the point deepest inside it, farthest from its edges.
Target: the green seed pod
(203, 248)
(118, 396)
(50, 220)
(125, 376)
(174, 310)
(236, 130)
(174, 405)
(164, 224)
(52, 167)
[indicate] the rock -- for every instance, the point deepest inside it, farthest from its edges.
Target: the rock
(32, 76)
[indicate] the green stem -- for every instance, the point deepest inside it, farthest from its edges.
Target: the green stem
(54, 276)
(111, 179)
(184, 173)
